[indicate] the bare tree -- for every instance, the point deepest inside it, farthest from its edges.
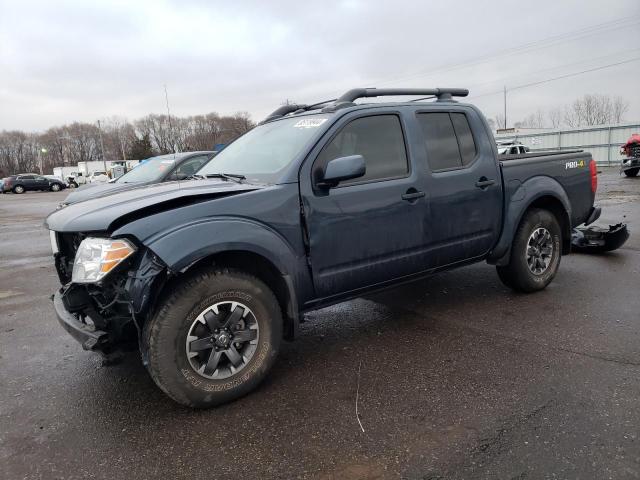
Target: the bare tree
(555, 117)
(619, 107)
(501, 122)
(534, 120)
(595, 110)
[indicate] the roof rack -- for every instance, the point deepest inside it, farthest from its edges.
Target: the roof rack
(347, 99)
(440, 93)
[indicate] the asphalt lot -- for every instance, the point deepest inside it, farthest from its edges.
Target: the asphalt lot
(458, 378)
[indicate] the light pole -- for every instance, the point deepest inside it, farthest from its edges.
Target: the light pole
(40, 152)
(505, 107)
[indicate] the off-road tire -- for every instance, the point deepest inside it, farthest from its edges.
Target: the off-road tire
(18, 189)
(517, 274)
(164, 337)
(632, 172)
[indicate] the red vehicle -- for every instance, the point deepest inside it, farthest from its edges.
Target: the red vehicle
(631, 165)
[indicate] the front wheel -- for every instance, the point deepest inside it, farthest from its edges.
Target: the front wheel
(18, 189)
(632, 172)
(214, 339)
(535, 253)
(55, 187)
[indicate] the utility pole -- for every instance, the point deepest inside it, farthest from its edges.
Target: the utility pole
(104, 162)
(505, 106)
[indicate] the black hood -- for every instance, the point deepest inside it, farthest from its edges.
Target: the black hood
(104, 212)
(95, 190)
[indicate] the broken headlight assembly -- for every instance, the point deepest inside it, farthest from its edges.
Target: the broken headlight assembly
(96, 257)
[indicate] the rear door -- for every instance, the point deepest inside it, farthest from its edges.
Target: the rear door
(370, 229)
(27, 181)
(464, 185)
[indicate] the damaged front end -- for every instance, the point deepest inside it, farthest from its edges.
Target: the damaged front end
(107, 315)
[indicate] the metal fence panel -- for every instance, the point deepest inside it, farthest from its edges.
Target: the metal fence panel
(603, 141)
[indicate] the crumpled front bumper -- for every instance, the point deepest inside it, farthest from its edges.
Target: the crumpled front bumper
(629, 163)
(87, 335)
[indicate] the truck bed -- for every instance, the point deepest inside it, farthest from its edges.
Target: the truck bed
(569, 169)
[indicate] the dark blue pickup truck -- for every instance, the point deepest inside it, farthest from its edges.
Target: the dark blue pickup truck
(318, 204)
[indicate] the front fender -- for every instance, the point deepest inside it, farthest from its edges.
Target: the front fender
(187, 243)
(520, 198)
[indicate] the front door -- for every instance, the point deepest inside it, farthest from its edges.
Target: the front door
(464, 186)
(370, 229)
(41, 183)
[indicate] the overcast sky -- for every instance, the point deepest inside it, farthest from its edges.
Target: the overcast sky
(64, 61)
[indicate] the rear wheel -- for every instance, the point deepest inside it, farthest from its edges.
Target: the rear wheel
(55, 187)
(214, 339)
(632, 172)
(535, 253)
(18, 189)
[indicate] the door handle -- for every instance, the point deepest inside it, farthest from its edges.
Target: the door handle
(412, 194)
(484, 182)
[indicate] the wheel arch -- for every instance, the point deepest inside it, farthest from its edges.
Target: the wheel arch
(539, 192)
(280, 283)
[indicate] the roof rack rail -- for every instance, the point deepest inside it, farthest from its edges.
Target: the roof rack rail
(356, 93)
(294, 108)
(442, 94)
(347, 99)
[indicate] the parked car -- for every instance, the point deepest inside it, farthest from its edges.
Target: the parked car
(630, 165)
(317, 205)
(98, 177)
(511, 148)
(57, 179)
(164, 168)
(31, 181)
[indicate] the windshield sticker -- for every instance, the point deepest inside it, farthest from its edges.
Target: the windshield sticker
(310, 123)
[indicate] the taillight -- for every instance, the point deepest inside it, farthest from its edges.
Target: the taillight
(593, 168)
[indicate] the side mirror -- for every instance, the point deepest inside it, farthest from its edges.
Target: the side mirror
(341, 169)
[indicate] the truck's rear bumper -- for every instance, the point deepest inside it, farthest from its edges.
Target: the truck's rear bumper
(89, 337)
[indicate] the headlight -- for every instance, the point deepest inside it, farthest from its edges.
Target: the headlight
(96, 257)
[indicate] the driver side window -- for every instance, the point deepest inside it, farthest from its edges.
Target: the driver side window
(379, 139)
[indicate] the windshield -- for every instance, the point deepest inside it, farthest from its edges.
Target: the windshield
(262, 154)
(150, 170)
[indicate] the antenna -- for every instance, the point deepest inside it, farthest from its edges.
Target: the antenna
(173, 143)
(166, 98)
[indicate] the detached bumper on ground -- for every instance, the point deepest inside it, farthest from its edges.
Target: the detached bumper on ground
(87, 335)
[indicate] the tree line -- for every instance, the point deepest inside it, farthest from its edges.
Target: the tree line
(116, 138)
(589, 110)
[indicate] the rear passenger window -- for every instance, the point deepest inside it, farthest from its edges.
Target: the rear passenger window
(465, 137)
(448, 138)
(378, 139)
